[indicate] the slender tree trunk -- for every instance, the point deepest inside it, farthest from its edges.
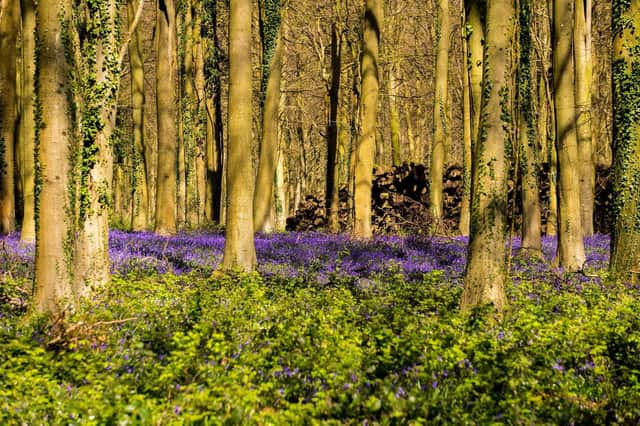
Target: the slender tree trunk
(571, 255)
(263, 197)
(166, 185)
(528, 161)
(9, 27)
(467, 136)
(485, 272)
(625, 239)
(476, 59)
(394, 114)
(333, 175)
(214, 132)
(140, 196)
(583, 119)
(239, 248)
(53, 269)
(440, 103)
(27, 120)
(366, 147)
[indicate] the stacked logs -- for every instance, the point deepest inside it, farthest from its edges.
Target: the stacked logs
(400, 203)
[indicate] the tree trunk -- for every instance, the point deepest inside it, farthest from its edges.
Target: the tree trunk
(485, 273)
(53, 269)
(625, 239)
(263, 197)
(394, 114)
(239, 248)
(214, 132)
(467, 136)
(166, 185)
(528, 159)
(9, 27)
(570, 255)
(476, 59)
(366, 147)
(27, 120)
(440, 103)
(587, 167)
(140, 196)
(333, 132)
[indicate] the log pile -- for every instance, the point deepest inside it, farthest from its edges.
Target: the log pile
(400, 203)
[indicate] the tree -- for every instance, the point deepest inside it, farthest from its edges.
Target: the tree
(272, 73)
(366, 146)
(27, 120)
(333, 132)
(54, 270)
(528, 158)
(582, 54)
(439, 115)
(166, 83)
(485, 273)
(625, 239)
(140, 195)
(239, 248)
(9, 26)
(570, 253)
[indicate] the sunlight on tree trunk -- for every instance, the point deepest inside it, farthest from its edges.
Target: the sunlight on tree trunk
(140, 198)
(570, 254)
(9, 26)
(485, 273)
(263, 197)
(625, 242)
(440, 105)
(333, 133)
(27, 120)
(366, 146)
(239, 248)
(166, 185)
(53, 267)
(583, 117)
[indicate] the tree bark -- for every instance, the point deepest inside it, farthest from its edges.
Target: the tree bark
(140, 196)
(166, 185)
(570, 253)
(333, 134)
(27, 120)
(485, 273)
(582, 53)
(366, 147)
(239, 248)
(263, 197)
(467, 135)
(440, 103)
(9, 27)
(53, 268)
(528, 159)
(625, 238)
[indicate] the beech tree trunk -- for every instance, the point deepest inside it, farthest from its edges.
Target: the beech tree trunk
(583, 119)
(570, 254)
(625, 238)
(440, 104)
(467, 135)
(239, 248)
(140, 196)
(53, 288)
(9, 27)
(27, 120)
(365, 154)
(166, 185)
(485, 272)
(263, 197)
(528, 159)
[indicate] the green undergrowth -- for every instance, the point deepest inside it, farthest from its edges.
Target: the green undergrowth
(239, 350)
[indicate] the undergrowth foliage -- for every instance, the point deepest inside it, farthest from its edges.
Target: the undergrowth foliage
(338, 331)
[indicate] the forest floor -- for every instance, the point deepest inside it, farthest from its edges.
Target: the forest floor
(328, 330)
